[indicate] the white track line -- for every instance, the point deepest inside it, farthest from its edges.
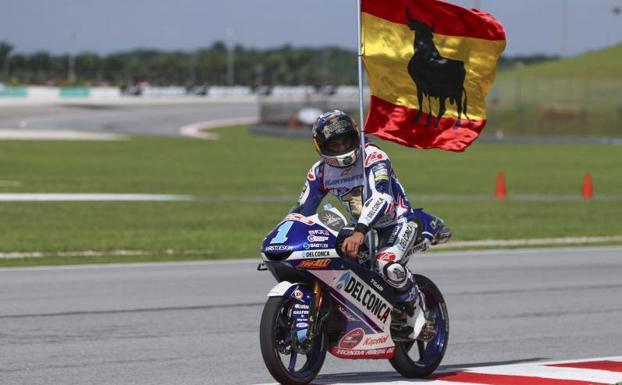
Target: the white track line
(94, 253)
(530, 242)
(424, 198)
(36, 197)
(10, 183)
(196, 130)
(17, 134)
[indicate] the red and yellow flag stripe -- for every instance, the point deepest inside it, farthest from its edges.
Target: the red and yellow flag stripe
(388, 46)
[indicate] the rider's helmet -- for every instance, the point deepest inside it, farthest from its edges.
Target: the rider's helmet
(336, 139)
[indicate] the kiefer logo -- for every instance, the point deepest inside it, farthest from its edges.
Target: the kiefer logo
(352, 338)
(314, 264)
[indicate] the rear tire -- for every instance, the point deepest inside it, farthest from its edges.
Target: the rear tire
(431, 353)
(273, 335)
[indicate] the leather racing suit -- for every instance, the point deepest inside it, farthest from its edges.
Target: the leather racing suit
(401, 229)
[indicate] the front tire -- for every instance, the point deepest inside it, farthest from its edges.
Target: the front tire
(427, 356)
(275, 342)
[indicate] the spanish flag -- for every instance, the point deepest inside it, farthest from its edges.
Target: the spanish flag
(430, 66)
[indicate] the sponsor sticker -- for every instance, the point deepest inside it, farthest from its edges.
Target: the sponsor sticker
(308, 246)
(376, 285)
(316, 254)
(364, 295)
(373, 157)
(343, 280)
(317, 238)
(331, 220)
(302, 325)
(279, 248)
(298, 295)
(299, 218)
(319, 232)
(375, 341)
(380, 172)
(352, 338)
(383, 352)
(314, 264)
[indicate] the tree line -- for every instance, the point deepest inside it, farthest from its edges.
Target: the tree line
(283, 65)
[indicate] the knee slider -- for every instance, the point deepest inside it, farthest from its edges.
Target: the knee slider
(396, 275)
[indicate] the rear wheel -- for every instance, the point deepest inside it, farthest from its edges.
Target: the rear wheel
(419, 359)
(284, 362)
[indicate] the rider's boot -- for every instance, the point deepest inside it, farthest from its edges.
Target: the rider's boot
(409, 315)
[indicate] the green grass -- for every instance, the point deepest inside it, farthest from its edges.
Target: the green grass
(580, 95)
(240, 165)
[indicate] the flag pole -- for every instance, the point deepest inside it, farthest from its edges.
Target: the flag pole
(361, 104)
(370, 239)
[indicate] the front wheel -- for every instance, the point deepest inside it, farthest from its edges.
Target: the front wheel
(423, 360)
(281, 358)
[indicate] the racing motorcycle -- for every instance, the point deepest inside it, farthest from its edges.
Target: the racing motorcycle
(326, 303)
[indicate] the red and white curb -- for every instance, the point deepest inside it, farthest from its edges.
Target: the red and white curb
(595, 371)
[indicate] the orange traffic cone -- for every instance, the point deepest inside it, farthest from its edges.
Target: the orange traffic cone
(500, 191)
(588, 187)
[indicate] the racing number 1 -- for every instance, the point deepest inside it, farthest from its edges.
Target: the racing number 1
(281, 236)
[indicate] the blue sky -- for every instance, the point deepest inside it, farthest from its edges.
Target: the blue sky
(533, 26)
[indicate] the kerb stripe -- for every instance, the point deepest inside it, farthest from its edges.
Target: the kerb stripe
(501, 379)
(611, 366)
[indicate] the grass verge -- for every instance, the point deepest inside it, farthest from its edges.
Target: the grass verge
(244, 184)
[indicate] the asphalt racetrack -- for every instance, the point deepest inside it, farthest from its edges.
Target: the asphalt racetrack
(149, 117)
(197, 323)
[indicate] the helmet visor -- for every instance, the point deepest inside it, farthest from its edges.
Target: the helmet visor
(340, 144)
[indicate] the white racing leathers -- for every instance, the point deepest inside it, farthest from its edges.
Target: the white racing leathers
(387, 209)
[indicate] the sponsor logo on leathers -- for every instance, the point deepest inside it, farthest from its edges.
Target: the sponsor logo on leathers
(386, 256)
(408, 237)
(374, 210)
(372, 158)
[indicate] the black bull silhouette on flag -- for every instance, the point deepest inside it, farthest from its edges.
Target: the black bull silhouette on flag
(434, 75)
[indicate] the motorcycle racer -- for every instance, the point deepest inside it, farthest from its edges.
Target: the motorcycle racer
(401, 229)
